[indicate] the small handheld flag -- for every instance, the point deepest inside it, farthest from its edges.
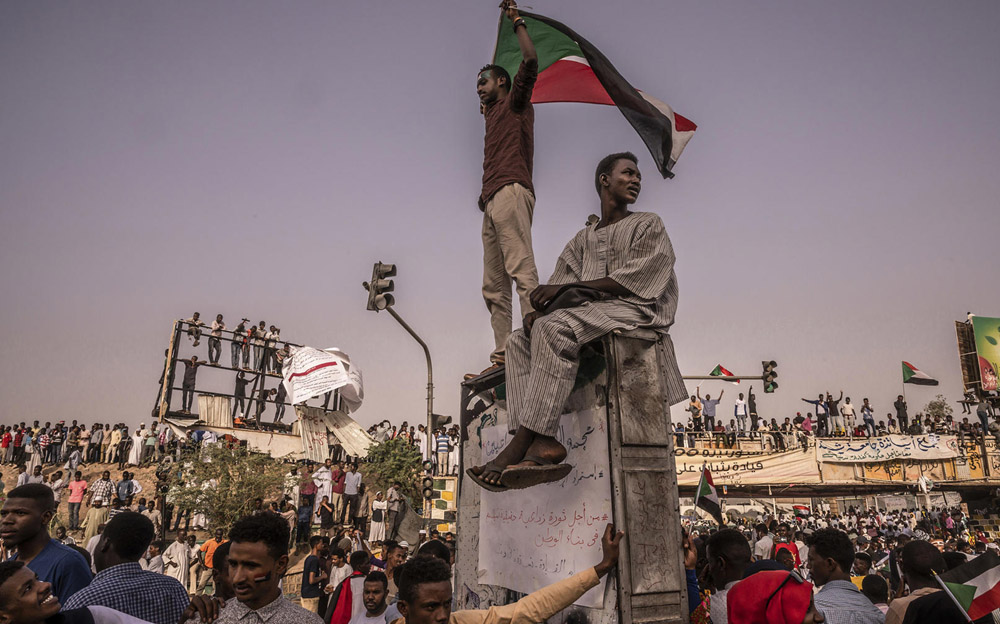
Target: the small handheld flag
(707, 498)
(974, 586)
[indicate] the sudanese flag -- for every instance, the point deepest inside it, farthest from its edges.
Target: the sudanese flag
(570, 69)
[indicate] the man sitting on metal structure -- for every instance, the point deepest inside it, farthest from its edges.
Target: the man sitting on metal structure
(615, 274)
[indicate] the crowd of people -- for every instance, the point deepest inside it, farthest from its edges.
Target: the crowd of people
(246, 340)
(441, 447)
(125, 576)
(869, 568)
(73, 444)
(838, 417)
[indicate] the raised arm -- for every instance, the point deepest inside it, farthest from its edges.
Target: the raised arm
(540, 605)
(523, 39)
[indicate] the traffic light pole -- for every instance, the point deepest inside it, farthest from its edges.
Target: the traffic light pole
(430, 390)
(430, 370)
(430, 401)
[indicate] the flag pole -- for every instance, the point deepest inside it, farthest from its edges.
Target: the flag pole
(952, 596)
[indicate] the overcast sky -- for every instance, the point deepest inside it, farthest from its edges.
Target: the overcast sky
(837, 209)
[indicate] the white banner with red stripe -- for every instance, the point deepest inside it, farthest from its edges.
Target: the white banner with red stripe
(310, 372)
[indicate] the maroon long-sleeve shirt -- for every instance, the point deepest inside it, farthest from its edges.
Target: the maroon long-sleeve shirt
(509, 146)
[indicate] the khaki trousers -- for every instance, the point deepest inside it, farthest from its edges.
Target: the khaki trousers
(310, 604)
(507, 255)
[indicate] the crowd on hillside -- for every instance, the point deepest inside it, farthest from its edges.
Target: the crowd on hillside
(838, 417)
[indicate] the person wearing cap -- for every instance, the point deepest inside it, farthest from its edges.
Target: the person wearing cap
(831, 556)
(773, 597)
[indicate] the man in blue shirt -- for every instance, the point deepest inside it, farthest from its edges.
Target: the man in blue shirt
(708, 408)
(23, 520)
(121, 583)
(312, 575)
(831, 555)
(822, 428)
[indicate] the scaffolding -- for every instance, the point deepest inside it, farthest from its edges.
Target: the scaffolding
(247, 409)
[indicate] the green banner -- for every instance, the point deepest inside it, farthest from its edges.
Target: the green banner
(987, 331)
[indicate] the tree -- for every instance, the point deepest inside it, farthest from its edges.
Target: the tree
(938, 408)
(223, 482)
(394, 460)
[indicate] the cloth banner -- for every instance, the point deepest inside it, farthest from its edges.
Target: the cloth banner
(310, 372)
(887, 448)
(215, 411)
(340, 428)
(735, 467)
(534, 537)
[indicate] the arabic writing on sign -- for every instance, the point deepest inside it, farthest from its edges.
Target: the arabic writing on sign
(534, 537)
(888, 448)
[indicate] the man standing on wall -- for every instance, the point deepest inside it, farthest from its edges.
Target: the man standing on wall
(508, 196)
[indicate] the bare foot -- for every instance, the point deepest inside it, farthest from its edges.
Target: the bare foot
(543, 447)
(511, 454)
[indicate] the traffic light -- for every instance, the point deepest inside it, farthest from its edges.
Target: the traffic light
(770, 372)
(378, 299)
(428, 488)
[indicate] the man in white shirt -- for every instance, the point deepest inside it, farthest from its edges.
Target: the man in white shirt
(765, 542)
(740, 411)
(352, 481)
(376, 590)
(215, 340)
(847, 411)
(177, 558)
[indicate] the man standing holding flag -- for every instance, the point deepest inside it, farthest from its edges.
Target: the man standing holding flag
(707, 498)
(508, 197)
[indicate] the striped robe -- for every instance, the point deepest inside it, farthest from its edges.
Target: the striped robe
(635, 252)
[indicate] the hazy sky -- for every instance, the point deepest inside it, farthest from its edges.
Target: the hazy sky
(836, 211)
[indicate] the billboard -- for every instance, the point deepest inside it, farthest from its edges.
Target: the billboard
(987, 333)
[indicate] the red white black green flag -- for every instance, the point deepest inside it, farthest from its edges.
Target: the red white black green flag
(722, 371)
(570, 69)
(975, 586)
(707, 498)
(913, 375)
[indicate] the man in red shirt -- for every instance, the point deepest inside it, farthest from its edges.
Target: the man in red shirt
(507, 198)
(7, 452)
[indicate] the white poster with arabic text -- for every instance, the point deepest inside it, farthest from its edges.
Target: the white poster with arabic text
(533, 537)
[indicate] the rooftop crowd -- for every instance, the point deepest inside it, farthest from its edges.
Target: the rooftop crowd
(838, 417)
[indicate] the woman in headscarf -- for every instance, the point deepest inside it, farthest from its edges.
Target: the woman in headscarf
(772, 597)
